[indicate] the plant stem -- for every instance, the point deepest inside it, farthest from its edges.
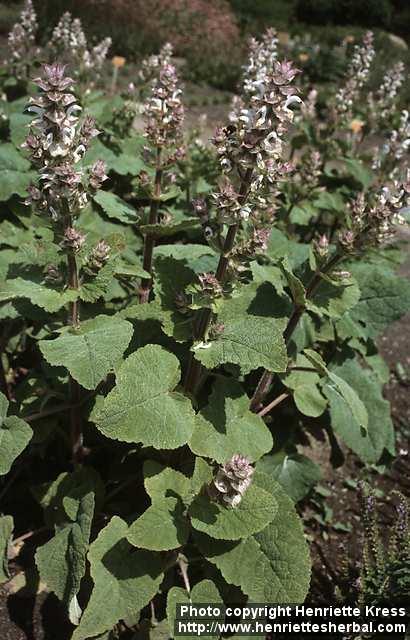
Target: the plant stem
(194, 367)
(273, 404)
(76, 432)
(4, 387)
(183, 567)
(29, 534)
(266, 379)
(149, 244)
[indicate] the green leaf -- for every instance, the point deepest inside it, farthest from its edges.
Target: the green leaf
(125, 580)
(172, 276)
(330, 202)
(15, 434)
(61, 561)
(6, 534)
(18, 123)
(339, 391)
(59, 498)
(90, 352)
(256, 509)
(203, 592)
(161, 527)
(45, 297)
(116, 208)
(380, 433)
(15, 175)
(226, 426)
(306, 393)
(334, 299)
(162, 482)
(296, 286)
(270, 566)
(169, 229)
(358, 171)
(385, 297)
(250, 342)
(142, 406)
(295, 473)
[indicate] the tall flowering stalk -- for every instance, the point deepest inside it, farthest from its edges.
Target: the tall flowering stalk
(164, 116)
(383, 103)
(251, 152)
(370, 223)
(57, 141)
(69, 43)
(357, 76)
(22, 40)
(389, 158)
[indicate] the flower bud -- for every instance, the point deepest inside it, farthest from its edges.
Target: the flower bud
(232, 480)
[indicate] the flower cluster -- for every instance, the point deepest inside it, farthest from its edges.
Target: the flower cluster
(383, 104)
(151, 65)
(254, 140)
(164, 111)
(68, 42)
(99, 256)
(262, 55)
(357, 76)
(21, 39)
(56, 142)
(396, 147)
(232, 480)
(375, 223)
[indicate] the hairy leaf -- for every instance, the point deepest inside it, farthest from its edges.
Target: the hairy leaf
(15, 434)
(125, 580)
(161, 527)
(203, 592)
(256, 509)
(116, 208)
(6, 533)
(270, 566)
(226, 426)
(142, 406)
(61, 561)
(250, 342)
(90, 352)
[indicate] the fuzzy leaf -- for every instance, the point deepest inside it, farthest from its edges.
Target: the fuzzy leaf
(226, 426)
(61, 561)
(161, 527)
(15, 434)
(250, 342)
(296, 287)
(142, 406)
(340, 391)
(125, 580)
(170, 229)
(116, 208)
(385, 297)
(171, 278)
(6, 533)
(161, 482)
(256, 509)
(45, 297)
(295, 473)
(92, 351)
(203, 592)
(306, 393)
(270, 566)
(368, 446)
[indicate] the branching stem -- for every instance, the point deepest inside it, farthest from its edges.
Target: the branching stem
(149, 244)
(266, 379)
(204, 318)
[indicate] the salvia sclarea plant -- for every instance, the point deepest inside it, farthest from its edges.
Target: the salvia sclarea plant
(68, 43)
(162, 362)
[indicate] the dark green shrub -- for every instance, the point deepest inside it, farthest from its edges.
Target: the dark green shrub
(367, 13)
